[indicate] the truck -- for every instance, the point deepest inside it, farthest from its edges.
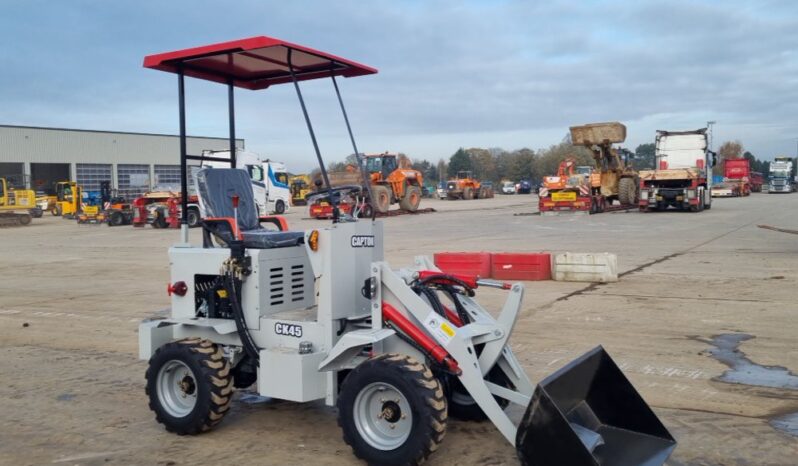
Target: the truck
(682, 177)
(269, 179)
(780, 178)
(737, 179)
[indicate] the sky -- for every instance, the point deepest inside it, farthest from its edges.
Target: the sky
(507, 74)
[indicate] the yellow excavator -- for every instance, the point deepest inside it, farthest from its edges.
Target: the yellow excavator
(17, 206)
(300, 187)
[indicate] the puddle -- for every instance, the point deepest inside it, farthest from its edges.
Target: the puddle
(787, 423)
(743, 370)
(254, 399)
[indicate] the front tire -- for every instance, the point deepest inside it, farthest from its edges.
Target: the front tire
(382, 198)
(190, 385)
(392, 410)
(468, 193)
(279, 207)
(412, 199)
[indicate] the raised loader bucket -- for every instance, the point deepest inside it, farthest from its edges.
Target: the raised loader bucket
(587, 413)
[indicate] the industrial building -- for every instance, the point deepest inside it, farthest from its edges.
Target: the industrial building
(36, 158)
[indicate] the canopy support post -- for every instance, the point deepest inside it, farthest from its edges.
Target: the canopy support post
(333, 200)
(231, 111)
(181, 97)
(366, 178)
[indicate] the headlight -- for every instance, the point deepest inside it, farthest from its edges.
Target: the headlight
(643, 195)
(691, 193)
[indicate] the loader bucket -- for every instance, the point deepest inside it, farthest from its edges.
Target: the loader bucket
(587, 413)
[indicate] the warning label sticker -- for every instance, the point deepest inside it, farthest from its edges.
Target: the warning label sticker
(440, 329)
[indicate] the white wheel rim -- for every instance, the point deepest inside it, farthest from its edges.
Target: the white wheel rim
(177, 388)
(383, 417)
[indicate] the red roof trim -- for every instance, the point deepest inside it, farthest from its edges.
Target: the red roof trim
(250, 70)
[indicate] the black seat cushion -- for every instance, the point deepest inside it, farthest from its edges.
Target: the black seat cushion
(267, 239)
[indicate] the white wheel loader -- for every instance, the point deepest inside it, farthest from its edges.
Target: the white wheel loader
(319, 315)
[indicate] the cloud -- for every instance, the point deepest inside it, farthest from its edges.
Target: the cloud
(501, 73)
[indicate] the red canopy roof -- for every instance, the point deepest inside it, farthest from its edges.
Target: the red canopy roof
(255, 63)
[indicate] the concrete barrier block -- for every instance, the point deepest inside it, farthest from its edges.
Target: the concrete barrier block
(585, 267)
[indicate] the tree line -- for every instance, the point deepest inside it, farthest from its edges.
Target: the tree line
(496, 164)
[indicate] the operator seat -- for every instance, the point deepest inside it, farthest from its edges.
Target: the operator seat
(215, 190)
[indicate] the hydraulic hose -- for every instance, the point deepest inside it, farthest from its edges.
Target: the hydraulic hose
(250, 347)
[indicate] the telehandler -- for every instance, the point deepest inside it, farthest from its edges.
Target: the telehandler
(320, 315)
(68, 197)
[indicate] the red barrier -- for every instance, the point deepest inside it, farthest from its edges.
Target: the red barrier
(465, 263)
(521, 266)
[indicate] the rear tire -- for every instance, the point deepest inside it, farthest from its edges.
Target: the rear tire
(463, 407)
(116, 219)
(412, 199)
(190, 385)
(412, 410)
(24, 219)
(382, 199)
(193, 218)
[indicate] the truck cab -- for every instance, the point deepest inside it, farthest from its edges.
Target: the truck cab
(682, 177)
(781, 175)
(269, 179)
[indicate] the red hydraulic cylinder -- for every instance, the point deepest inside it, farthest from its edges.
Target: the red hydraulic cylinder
(392, 315)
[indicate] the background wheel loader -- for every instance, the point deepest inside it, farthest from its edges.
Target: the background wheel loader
(613, 179)
(392, 184)
(319, 315)
(465, 186)
(580, 189)
(388, 183)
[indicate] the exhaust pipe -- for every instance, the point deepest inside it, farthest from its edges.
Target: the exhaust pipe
(588, 413)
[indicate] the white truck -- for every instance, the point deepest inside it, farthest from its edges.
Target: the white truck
(780, 178)
(269, 179)
(682, 177)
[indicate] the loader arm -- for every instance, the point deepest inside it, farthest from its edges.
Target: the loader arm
(459, 343)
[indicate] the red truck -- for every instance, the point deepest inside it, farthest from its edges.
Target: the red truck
(738, 179)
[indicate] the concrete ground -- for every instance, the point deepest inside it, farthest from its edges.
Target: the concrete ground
(71, 297)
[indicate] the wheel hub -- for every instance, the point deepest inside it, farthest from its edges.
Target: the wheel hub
(383, 416)
(177, 388)
(391, 412)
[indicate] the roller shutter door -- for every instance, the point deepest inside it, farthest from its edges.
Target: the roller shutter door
(89, 175)
(134, 180)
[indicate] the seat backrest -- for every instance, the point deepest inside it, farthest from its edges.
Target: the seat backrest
(215, 190)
